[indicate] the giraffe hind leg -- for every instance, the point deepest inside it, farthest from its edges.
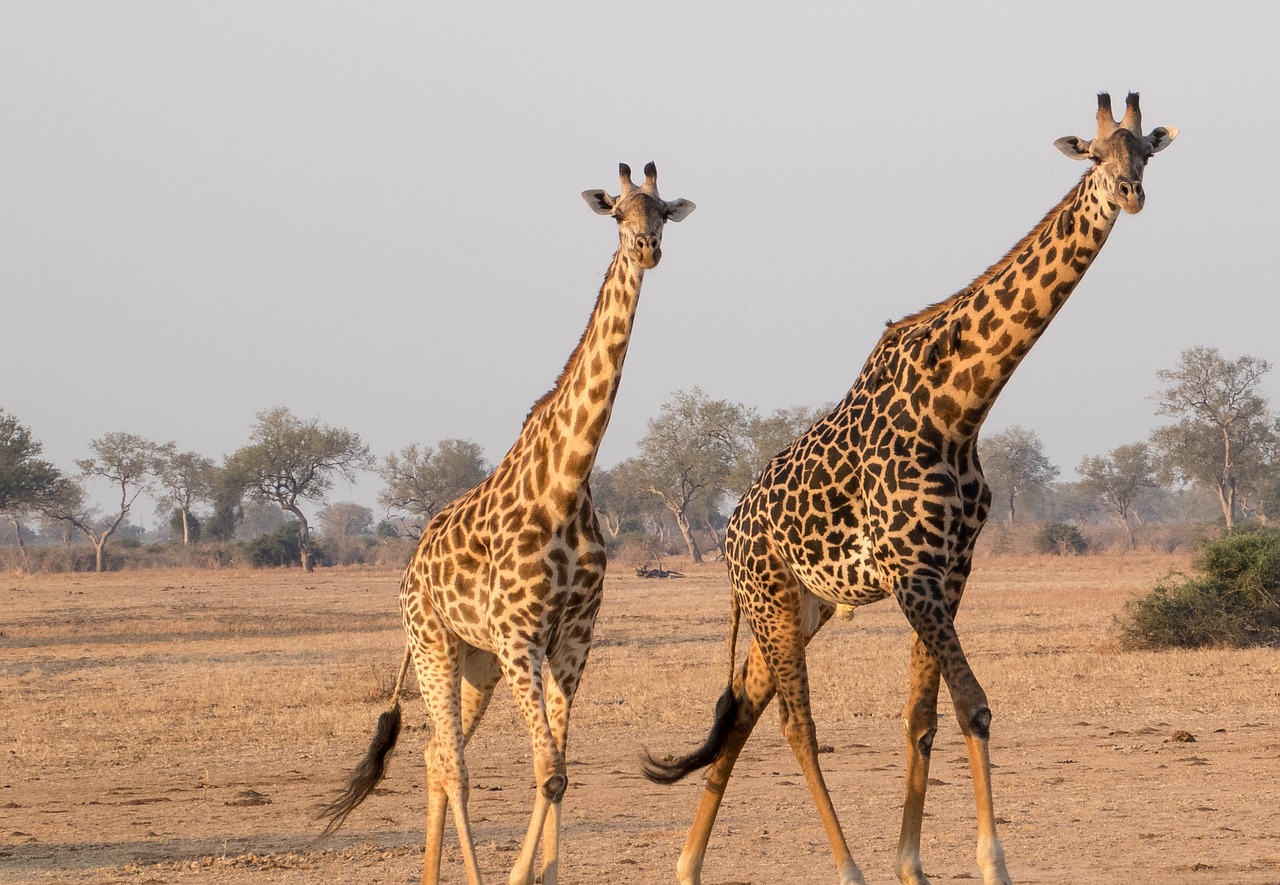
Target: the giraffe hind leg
(438, 658)
(920, 724)
(738, 711)
(788, 637)
(480, 674)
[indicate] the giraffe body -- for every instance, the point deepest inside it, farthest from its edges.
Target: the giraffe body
(884, 496)
(506, 581)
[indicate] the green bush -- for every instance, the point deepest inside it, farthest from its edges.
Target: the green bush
(1060, 539)
(280, 548)
(1234, 601)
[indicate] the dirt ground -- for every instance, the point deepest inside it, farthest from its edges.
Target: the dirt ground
(182, 727)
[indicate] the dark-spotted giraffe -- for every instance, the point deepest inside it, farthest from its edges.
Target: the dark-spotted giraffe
(507, 579)
(884, 496)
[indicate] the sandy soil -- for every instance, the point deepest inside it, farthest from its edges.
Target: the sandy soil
(182, 727)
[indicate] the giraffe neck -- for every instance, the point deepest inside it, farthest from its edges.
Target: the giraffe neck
(954, 358)
(562, 434)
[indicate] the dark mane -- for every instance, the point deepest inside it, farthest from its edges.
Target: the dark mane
(991, 272)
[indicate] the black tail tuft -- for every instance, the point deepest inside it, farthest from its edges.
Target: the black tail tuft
(672, 770)
(367, 774)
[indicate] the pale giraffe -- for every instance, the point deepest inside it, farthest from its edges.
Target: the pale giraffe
(508, 578)
(884, 496)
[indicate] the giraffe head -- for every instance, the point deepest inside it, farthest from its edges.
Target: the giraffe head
(640, 212)
(1120, 151)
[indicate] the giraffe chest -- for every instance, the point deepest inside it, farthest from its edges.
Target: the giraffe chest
(524, 571)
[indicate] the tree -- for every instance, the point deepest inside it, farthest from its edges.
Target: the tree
(130, 465)
(1015, 465)
(764, 437)
(342, 524)
(26, 480)
(291, 460)
(226, 495)
(420, 482)
(621, 496)
(185, 478)
(1117, 479)
(1226, 433)
(688, 455)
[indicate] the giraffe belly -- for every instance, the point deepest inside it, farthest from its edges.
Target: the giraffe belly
(845, 574)
(848, 583)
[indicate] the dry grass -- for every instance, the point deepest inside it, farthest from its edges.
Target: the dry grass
(180, 726)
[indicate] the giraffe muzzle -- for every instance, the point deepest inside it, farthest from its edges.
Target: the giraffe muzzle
(648, 251)
(1130, 195)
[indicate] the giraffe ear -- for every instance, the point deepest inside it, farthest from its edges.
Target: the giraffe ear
(678, 210)
(1161, 137)
(599, 201)
(1074, 147)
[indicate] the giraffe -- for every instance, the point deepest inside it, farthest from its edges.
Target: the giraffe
(884, 496)
(508, 577)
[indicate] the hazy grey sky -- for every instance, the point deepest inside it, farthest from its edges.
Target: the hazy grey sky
(369, 213)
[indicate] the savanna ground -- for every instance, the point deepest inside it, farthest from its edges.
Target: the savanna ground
(183, 726)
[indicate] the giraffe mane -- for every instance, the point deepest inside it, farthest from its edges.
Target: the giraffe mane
(933, 310)
(541, 403)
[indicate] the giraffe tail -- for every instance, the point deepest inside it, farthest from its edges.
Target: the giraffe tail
(671, 770)
(374, 764)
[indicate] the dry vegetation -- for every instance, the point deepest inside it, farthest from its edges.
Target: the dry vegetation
(180, 727)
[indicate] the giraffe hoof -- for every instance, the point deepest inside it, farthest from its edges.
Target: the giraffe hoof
(555, 786)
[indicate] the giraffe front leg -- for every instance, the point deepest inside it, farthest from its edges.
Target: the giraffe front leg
(523, 669)
(920, 724)
(565, 668)
(990, 853)
(934, 623)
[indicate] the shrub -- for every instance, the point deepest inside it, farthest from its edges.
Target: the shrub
(1060, 539)
(1235, 601)
(280, 548)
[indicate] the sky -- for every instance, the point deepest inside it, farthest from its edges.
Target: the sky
(370, 213)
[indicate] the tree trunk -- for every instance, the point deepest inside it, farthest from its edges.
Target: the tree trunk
(186, 532)
(686, 532)
(612, 525)
(1013, 510)
(99, 545)
(304, 537)
(22, 548)
(715, 536)
(1227, 497)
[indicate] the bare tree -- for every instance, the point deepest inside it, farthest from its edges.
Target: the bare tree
(689, 453)
(1015, 464)
(1226, 433)
(421, 481)
(186, 478)
(343, 523)
(291, 461)
(129, 464)
(622, 498)
(1117, 479)
(764, 437)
